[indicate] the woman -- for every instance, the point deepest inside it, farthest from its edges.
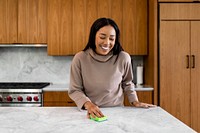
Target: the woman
(102, 73)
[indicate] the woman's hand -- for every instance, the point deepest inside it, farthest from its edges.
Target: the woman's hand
(93, 110)
(142, 105)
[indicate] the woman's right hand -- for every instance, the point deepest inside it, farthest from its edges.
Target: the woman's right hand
(93, 110)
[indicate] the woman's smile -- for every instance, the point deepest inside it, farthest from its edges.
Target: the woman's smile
(104, 48)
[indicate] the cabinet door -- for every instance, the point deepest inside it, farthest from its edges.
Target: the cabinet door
(195, 72)
(175, 82)
(79, 25)
(60, 29)
(57, 98)
(143, 96)
(8, 21)
(176, 0)
(32, 16)
(179, 11)
(134, 30)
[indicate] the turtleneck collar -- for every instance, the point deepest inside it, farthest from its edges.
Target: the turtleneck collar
(100, 58)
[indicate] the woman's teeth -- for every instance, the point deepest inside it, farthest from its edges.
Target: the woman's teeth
(106, 48)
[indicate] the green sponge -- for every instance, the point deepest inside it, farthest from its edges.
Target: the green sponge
(98, 119)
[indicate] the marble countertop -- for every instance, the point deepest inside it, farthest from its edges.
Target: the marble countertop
(71, 120)
(64, 87)
(56, 87)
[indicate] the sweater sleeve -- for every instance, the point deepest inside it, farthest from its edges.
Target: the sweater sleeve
(127, 84)
(76, 90)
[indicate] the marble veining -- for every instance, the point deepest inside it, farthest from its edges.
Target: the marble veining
(33, 65)
(71, 120)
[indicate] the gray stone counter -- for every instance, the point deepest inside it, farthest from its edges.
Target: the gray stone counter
(65, 87)
(56, 87)
(71, 120)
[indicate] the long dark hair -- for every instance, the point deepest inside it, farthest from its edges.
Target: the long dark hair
(99, 23)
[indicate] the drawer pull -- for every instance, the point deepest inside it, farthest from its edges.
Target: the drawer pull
(193, 61)
(70, 102)
(188, 61)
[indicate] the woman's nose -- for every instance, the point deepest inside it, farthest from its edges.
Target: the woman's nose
(107, 41)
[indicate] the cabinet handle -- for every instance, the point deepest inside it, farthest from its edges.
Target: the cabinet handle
(196, 1)
(193, 61)
(188, 61)
(70, 102)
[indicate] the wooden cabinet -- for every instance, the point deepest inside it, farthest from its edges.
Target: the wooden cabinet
(23, 21)
(179, 65)
(60, 29)
(178, 0)
(134, 28)
(69, 24)
(8, 21)
(61, 98)
(32, 21)
(57, 98)
(143, 96)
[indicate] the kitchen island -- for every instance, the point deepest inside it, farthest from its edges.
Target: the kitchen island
(71, 120)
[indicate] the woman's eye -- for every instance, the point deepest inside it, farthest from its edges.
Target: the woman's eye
(102, 37)
(112, 39)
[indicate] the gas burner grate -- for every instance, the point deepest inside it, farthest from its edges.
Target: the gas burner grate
(23, 85)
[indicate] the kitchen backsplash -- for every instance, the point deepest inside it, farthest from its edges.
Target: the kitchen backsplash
(34, 65)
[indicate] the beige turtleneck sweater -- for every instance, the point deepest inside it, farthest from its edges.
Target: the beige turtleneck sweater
(100, 79)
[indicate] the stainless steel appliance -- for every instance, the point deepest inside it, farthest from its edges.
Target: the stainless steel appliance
(22, 94)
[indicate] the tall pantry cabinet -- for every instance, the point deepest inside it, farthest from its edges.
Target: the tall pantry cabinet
(179, 52)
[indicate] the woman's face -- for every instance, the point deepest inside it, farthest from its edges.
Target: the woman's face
(105, 40)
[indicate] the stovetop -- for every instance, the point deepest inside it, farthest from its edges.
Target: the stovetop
(23, 85)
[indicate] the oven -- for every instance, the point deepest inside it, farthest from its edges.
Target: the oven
(22, 94)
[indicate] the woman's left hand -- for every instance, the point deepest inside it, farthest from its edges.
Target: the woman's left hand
(142, 105)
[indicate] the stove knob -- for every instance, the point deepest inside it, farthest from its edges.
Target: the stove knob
(9, 98)
(29, 98)
(36, 98)
(20, 98)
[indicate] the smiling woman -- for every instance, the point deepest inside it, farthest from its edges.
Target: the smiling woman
(102, 72)
(105, 40)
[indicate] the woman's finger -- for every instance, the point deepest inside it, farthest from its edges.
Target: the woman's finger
(145, 105)
(91, 115)
(99, 114)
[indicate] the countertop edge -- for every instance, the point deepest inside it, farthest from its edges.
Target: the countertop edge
(64, 87)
